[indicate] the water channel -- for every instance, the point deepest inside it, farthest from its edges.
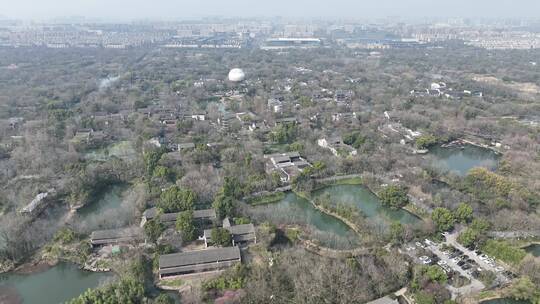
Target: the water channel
(533, 249)
(330, 231)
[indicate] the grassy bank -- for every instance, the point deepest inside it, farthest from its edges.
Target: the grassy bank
(338, 182)
(345, 181)
(419, 212)
(266, 199)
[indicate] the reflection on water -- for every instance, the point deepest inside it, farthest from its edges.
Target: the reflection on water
(461, 159)
(293, 209)
(115, 207)
(123, 150)
(359, 196)
(110, 200)
(52, 286)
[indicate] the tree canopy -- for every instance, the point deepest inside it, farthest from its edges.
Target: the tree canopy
(394, 196)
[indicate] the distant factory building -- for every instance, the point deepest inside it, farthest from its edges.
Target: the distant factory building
(287, 43)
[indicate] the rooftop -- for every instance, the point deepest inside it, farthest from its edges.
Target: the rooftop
(199, 257)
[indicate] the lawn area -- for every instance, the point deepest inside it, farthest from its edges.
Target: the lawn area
(504, 251)
(346, 181)
(266, 199)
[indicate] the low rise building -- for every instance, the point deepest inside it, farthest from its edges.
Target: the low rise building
(197, 262)
(117, 236)
(202, 217)
(287, 165)
(37, 204)
(336, 146)
(240, 234)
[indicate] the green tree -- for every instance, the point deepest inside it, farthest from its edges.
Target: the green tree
(435, 274)
(354, 139)
(153, 229)
(176, 199)
(394, 196)
(151, 159)
(186, 225)
(468, 237)
(443, 219)
(127, 290)
(463, 213)
(396, 232)
(426, 141)
(232, 187)
(224, 205)
(221, 237)
(284, 133)
(162, 172)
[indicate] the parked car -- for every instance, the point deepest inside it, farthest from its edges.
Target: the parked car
(426, 262)
(441, 262)
(466, 266)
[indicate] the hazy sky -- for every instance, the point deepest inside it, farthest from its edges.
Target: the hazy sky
(176, 9)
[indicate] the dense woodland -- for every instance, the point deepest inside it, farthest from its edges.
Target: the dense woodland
(60, 93)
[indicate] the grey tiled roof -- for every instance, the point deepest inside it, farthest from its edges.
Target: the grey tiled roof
(199, 257)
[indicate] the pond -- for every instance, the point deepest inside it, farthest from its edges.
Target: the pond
(123, 150)
(460, 159)
(112, 208)
(533, 249)
(294, 209)
(361, 197)
(55, 285)
(109, 200)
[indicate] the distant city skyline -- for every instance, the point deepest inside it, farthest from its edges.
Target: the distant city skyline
(125, 10)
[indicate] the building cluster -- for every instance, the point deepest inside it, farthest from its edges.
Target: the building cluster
(482, 37)
(336, 145)
(266, 35)
(287, 165)
(440, 89)
(189, 262)
(79, 37)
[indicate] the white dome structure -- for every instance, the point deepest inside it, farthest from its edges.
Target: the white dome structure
(237, 75)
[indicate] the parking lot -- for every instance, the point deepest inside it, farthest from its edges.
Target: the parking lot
(456, 259)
